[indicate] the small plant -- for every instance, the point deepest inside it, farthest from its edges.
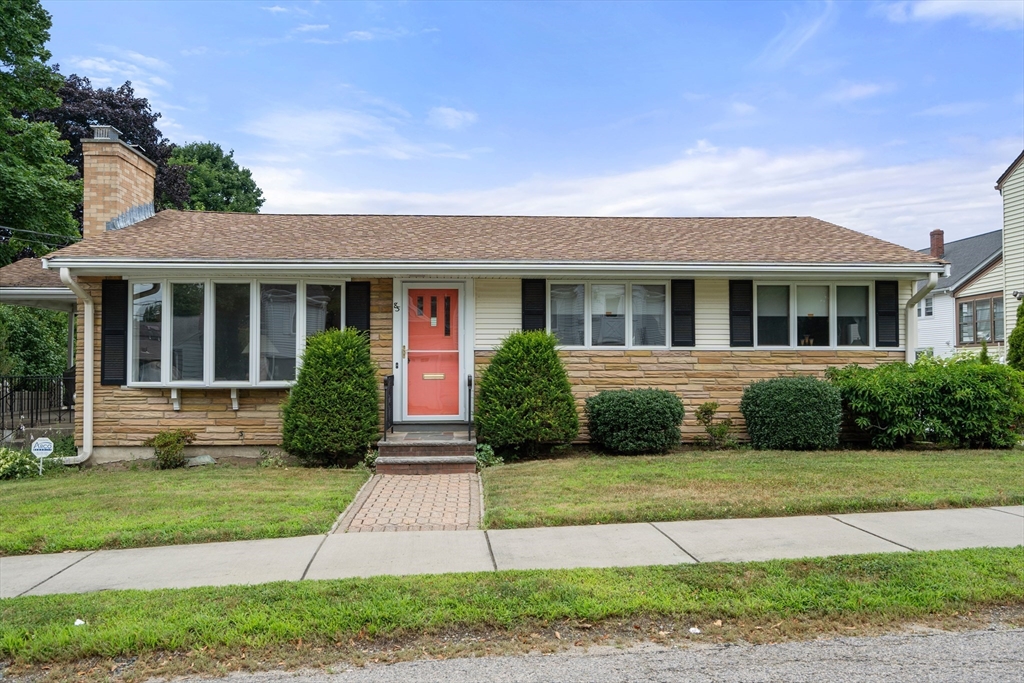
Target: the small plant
(169, 447)
(1015, 343)
(485, 456)
(17, 464)
(369, 461)
(525, 397)
(331, 415)
(792, 413)
(983, 357)
(271, 460)
(717, 434)
(633, 421)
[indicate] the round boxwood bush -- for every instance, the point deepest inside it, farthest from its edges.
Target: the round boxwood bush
(792, 413)
(635, 421)
(331, 415)
(525, 397)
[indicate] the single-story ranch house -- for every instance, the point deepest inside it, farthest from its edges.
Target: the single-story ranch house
(197, 320)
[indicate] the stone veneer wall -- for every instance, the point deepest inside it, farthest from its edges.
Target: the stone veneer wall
(124, 417)
(696, 376)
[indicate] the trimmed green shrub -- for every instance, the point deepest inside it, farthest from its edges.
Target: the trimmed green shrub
(717, 433)
(792, 413)
(1015, 343)
(961, 402)
(525, 398)
(169, 447)
(16, 464)
(331, 415)
(634, 421)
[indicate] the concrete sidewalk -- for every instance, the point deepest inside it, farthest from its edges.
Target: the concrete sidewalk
(334, 556)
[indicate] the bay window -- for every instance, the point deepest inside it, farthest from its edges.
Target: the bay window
(609, 314)
(228, 333)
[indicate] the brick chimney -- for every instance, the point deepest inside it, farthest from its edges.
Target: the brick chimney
(938, 244)
(119, 183)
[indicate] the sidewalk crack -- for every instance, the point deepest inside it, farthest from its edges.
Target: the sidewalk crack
(315, 552)
(870, 533)
(55, 574)
(490, 550)
(673, 541)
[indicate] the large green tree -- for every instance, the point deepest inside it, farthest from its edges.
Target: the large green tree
(37, 192)
(216, 181)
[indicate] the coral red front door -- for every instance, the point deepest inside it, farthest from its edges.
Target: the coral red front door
(432, 365)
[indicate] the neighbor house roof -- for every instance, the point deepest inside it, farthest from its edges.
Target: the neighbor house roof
(968, 256)
(28, 272)
(219, 237)
(1009, 171)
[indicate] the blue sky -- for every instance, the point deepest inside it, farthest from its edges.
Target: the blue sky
(892, 118)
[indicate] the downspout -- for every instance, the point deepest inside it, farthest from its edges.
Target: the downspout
(88, 367)
(911, 318)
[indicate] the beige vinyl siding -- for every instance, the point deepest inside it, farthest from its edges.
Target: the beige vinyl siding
(498, 310)
(990, 281)
(1013, 242)
(711, 313)
(906, 291)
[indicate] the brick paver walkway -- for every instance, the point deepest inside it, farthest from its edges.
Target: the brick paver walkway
(415, 502)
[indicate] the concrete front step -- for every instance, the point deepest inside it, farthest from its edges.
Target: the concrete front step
(426, 464)
(418, 449)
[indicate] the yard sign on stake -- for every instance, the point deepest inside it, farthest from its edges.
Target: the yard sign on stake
(41, 448)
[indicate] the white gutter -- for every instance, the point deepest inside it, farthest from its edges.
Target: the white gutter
(88, 367)
(402, 267)
(911, 318)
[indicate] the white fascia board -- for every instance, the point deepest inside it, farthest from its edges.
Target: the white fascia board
(506, 268)
(9, 294)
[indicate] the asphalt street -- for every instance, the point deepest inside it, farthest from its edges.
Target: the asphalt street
(976, 656)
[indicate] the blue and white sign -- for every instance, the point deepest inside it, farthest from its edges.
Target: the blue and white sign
(41, 448)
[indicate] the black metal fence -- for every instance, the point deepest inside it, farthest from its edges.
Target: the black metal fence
(36, 401)
(389, 404)
(469, 407)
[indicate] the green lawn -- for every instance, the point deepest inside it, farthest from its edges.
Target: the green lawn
(98, 508)
(243, 620)
(704, 485)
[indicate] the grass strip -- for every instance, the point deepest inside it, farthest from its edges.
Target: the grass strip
(598, 489)
(37, 630)
(98, 508)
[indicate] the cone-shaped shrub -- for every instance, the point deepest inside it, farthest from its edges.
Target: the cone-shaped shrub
(331, 414)
(525, 398)
(1015, 342)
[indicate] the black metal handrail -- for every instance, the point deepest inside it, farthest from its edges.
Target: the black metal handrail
(469, 407)
(34, 401)
(389, 404)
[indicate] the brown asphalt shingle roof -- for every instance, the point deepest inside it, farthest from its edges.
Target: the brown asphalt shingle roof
(28, 272)
(234, 236)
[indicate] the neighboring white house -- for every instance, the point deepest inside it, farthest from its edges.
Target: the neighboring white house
(1011, 186)
(966, 306)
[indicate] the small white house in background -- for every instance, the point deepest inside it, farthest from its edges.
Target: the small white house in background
(967, 306)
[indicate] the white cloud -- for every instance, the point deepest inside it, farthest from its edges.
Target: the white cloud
(1004, 14)
(275, 9)
(359, 35)
(850, 92)
(899, 203)
(195, 51)
(344, 132)
(311, 27)
(953, 109)
(452, 119)
(799, 29)
(113, 72)
(743, 109)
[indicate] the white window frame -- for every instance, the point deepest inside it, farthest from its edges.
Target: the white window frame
(587, 308)
(209, 328)
(832, 314)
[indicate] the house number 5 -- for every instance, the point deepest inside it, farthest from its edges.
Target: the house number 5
(397, 307)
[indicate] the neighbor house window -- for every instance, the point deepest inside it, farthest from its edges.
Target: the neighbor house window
(981, 319)
(147, 314)
(773, 315)
(228, 333)
(188, 331)
(929, 305)
(567, 314)
(852, 316)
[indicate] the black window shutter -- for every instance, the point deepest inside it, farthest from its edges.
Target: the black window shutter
(887, 313)
(357, 306)
(535, 312)
(741, 312)
(683, 304)
(114, 333)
